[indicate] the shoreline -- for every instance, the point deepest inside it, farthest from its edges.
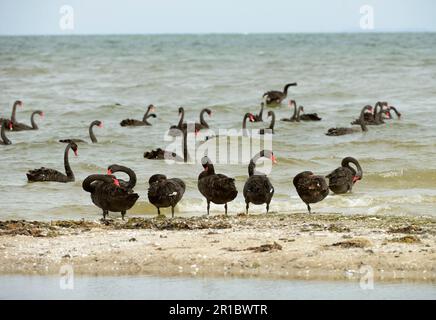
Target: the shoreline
(273, 246)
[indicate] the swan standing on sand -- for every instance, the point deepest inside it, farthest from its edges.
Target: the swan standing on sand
(163, 192)
(5, 124)
(97, 123)
(342, 131)
(143, 122)
(216, 188)
(107, 194)
(342, 179)
(276, 97)
(258, 189)
(310, 188)
(45, 174)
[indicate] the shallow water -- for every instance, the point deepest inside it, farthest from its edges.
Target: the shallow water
(134, 287)
(82, 78)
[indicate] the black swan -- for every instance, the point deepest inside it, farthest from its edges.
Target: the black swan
(107, 194)
(310, 188)
(294, 118)
(4, 140)
(342, 179)
(161, 154)
(163, 192)
(270, 129)
(308, 116)
(276, 97)
(16, 104)
(375, 118)
(21, 126)
(258, 189)
(45, 174)
(259, 117)
(143, 122)
(175, 129)
(342, 131)
(203, 124)
(216, 188)
(97, 123)
(129, 185)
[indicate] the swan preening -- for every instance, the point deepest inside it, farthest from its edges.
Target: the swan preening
(342, 179)
(164, 193)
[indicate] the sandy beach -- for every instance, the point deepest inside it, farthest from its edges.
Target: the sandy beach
(277, 246)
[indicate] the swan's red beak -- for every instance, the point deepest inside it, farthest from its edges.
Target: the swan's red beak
(100, 125)
(196, 132)
(251, 118)
(355, 179)
(109, 171)
(42, 114)
(206, 168)
(388, 114)
(10, 125)
(76, 153)
(116, 182)
(273, 159)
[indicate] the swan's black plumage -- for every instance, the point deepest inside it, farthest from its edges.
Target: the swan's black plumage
(375, 118)
(276, 97)
(216, 188)
(5, 123)
(163, 192)
(342, 179)
(342, 131)
(13, 118)
(259, 117)
(310, 188)
(107, 194)
(45, 174)
(94, 123)
(258, 188)
(143, 122)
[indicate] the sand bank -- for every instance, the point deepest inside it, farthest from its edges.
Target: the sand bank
(291, 246)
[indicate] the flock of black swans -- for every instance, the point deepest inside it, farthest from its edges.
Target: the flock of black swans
(115, 195)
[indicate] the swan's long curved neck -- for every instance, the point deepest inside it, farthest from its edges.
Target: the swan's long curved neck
(285, 89)
(273, 121)
(144, 118)
(262, 105)
(202, 121)
(131, 174)
(244, 121)
(14, 112)
(362, 119)
(91, 132)
(182, 117)
(68, 170)
(294, 116)
(346, 163)
(298, 113)
(3, 134)
(32, 120)
(87, 183)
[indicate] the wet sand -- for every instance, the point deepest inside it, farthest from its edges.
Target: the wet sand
(277, 246)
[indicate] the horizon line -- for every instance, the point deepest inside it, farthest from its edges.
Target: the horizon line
(217, 33)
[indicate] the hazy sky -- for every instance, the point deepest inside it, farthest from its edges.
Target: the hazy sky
(219, 16)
